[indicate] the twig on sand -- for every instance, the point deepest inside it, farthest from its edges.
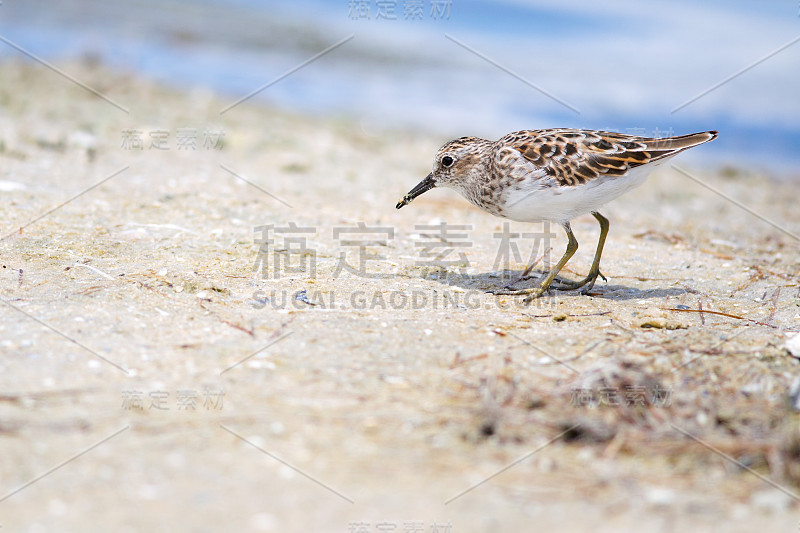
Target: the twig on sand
(718, 313)
(601, 313)
(227, 322)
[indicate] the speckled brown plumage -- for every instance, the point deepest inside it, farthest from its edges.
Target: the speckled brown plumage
(574, 157)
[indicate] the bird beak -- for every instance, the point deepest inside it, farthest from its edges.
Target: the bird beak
(425, 185)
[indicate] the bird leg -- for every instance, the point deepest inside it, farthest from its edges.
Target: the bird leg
(535, 292)
(594, 271)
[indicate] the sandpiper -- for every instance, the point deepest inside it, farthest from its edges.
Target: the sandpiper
(553, 175)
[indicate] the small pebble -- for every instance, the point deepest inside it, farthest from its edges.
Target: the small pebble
(793, 345)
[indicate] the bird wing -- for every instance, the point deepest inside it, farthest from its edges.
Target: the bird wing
(574, 157)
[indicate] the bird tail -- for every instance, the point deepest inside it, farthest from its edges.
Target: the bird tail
(669, 146)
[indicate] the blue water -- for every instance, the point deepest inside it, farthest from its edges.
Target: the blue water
(623, 65)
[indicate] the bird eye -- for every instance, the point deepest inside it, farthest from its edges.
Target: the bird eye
(447, 161)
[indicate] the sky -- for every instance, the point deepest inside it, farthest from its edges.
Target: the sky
(460, 67)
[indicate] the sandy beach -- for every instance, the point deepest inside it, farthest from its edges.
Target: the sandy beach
(220, 321)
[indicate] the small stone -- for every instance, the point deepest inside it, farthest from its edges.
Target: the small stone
(660, 323)
(793, 345)
(660, 497)
(794, 394)
(771, 500)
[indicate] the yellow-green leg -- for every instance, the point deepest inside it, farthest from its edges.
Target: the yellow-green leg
(594, 271)
(535, 292)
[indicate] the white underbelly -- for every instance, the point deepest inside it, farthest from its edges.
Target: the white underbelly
(561, 204)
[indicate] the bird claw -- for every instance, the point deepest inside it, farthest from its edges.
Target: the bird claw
(535, 294)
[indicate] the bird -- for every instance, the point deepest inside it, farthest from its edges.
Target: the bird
(551, 175)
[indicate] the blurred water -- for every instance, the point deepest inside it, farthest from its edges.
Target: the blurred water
(623, 66)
